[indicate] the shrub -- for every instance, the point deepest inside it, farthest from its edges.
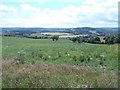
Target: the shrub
(75, 58)
(21, 58)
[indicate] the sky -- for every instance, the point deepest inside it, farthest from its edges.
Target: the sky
(59, 13)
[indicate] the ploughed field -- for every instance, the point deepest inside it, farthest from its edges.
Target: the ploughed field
(35, 63)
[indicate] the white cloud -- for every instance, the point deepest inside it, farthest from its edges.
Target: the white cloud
(6, 11)
(90, 13)
(41, 1)
(27, 7)
(88, 2)
(4, 8)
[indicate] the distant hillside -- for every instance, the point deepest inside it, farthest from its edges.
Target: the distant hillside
(85, 30)
(76, 31)
(95, 31)
(107, 31)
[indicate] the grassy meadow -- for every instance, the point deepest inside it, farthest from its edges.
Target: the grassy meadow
(36, 63)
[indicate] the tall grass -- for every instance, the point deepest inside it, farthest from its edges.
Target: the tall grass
(55, 76)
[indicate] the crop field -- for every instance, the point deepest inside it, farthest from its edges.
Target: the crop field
(60, 34)
(55, 33)
(36, 63)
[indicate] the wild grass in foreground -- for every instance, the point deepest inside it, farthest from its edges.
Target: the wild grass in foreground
(55, 76)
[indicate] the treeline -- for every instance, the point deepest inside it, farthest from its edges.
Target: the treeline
(28, 36)
(9, 35)
(36, 37)
(86, 39)
(110, 39)
(54, 38)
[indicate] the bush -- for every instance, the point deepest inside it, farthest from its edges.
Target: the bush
(74, 39)
(75, 58)
(21, 58)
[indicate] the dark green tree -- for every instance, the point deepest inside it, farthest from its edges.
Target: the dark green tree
(74, 39)
(55, 38)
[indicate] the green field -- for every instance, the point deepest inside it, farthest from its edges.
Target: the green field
(93, 31)
(62, 57)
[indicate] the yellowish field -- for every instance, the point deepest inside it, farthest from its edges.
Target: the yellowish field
(61, 35)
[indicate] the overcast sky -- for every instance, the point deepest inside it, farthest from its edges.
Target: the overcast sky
(62, 13)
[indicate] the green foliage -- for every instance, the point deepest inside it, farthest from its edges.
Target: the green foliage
(74, 39)
(111, 39)
(90, 39)
(55, 38)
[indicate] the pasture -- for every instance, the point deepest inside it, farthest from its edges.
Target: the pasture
(60, 63)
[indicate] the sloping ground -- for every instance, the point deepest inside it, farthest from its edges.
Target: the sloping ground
(55, 76)
(60, 52)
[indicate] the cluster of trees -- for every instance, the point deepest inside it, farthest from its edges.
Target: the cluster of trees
(87, 39)
(111, 39)
(94, 40)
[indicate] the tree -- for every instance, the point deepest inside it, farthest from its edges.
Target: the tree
(109, 39)
(95, 40)
(55, 38)
(91, 40)
(74, 39)
(80, 39)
